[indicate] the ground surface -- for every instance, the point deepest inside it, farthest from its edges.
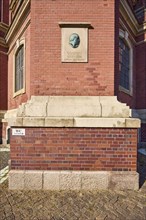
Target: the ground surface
(4, 156)
(69, 205)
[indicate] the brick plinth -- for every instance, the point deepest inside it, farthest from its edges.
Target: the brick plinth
(108, 149)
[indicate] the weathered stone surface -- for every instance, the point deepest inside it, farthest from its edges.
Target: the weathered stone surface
(33, 180)
(133, 123)
(124, 180)
(35, 110)
(94, 180)
(99, 122)
(70, 180)
(51, 180)
(59, 122)
(39, 99)
(74, 180)
(33, 121)
(72, 111)
(71, 106)
(16, 180)
(111, 108)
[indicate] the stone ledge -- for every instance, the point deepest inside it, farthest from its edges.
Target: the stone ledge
(74, 122)
(72, 106)
(20, 179)
(73, 180)
(72, 111)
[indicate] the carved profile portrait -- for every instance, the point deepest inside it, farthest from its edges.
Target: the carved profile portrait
(74, 40)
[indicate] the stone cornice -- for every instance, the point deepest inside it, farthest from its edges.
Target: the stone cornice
(75, 24)
(3, 27)
(3, 43)
(18, 20)
(128, 15)
(12, 4)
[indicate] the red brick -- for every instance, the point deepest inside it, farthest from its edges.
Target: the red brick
(68, 154)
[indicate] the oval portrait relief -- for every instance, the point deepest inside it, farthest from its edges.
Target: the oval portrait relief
(74, 40)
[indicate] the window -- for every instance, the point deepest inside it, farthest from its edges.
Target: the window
(19, 68)
(125, 63)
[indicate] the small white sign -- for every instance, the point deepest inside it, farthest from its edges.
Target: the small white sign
(18, 131)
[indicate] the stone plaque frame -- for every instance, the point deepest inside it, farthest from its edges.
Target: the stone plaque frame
(74, 42)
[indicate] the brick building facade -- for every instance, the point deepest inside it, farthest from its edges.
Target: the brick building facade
(73, 91)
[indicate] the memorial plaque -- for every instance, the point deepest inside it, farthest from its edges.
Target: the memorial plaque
(74, 44)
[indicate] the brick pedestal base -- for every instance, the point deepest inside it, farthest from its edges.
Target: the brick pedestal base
(81, 141)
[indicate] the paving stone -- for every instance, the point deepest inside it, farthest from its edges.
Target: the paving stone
(71, 205)
(4, 157)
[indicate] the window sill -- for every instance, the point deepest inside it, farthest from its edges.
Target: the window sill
(128, 92)
(20, 92)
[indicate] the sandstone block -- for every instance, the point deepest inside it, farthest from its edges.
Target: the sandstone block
(70, 180)
(124, 180)
(92, 180)
(33, 180)
(51, 180)
(16, 179)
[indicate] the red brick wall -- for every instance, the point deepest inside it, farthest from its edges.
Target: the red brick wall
(6, 11)
(75, 149)
(141, 76)
(49, 76)
(3, 78)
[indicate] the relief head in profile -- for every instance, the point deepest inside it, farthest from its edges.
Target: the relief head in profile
(74, 40)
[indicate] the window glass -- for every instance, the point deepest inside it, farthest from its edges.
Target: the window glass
(124, 64)
(19, 68)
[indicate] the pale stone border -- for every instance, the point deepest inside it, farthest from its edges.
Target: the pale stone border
(72, 111)
(4, 149)
(76, 122)
(73, 180)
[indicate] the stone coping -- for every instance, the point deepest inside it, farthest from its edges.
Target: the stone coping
(72, 111)
(72, 180)
(74, 122)
(71, 106)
